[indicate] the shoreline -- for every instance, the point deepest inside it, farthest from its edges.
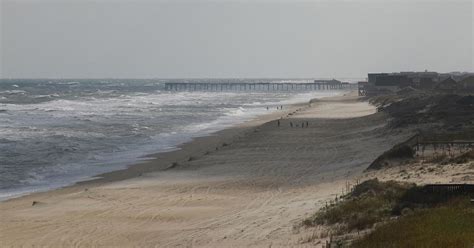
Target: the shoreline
(163, 160)
(261, 181)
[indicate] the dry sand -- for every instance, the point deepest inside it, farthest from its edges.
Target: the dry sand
(426, 173)
(252, 191)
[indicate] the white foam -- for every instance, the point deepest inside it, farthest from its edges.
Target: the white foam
(29, 121)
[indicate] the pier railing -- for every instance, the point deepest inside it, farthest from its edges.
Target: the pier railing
(450, 188)
(256, 86)
(439, 147)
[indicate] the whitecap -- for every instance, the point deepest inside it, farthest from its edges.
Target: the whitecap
(236, 112)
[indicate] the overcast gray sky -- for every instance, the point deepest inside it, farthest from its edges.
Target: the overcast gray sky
(166, 39)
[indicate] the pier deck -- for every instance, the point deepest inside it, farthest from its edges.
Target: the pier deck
(256, 86)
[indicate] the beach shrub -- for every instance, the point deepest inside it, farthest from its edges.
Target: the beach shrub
(390, 190)
(373, 202)
(447, 111)
(463, 158)
(466, 100)
(450, 225)
(369, 202)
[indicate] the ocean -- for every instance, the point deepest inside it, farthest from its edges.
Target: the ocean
(54, 133)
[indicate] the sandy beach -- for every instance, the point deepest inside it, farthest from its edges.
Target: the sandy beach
(245, 186)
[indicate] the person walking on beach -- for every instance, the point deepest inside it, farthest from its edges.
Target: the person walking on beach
(278, 122)
(291, 124)
(281, 107)
(307, 124)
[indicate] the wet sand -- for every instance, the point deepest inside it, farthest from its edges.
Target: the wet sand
(245, 186)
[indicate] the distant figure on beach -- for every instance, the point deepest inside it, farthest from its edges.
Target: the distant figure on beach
(307, 124)
(291, 124)
(281, 107)
(302, 124)
(278, 122)
(267, 107)
(277, 107)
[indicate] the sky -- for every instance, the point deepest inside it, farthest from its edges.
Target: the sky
(232, 39)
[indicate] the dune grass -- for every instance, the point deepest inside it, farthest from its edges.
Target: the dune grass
(450, 225)
(370, 202)
(402, 215)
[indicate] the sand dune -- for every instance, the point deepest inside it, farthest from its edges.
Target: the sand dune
(252, 191)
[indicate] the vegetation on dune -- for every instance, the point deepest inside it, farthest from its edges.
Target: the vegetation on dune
(405, 215)
(436, 117)
(451, 225)
(463, 158)
(370, 202)
(397, 214)
(448, 110)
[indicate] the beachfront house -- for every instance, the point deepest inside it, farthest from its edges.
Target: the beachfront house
(448, 85)
(453, 82)
(373, 77)
(468, 84)
(392, 82)
(425, 83)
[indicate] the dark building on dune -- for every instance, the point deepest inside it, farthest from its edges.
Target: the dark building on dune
(373, 77)
(422, 80)
(453, 82)
(425, 83)
(468, 84)
(383, 82)
(448, 85)
(396, 81)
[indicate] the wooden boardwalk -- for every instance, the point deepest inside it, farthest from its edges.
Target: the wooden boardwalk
(256, 86)
(450, 188)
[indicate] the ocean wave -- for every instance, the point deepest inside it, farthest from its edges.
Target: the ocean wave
(69, 138)
(236, 112)
(13, 92)
(254, 104)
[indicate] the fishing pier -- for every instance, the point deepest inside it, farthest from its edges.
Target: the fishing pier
(257, 86)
